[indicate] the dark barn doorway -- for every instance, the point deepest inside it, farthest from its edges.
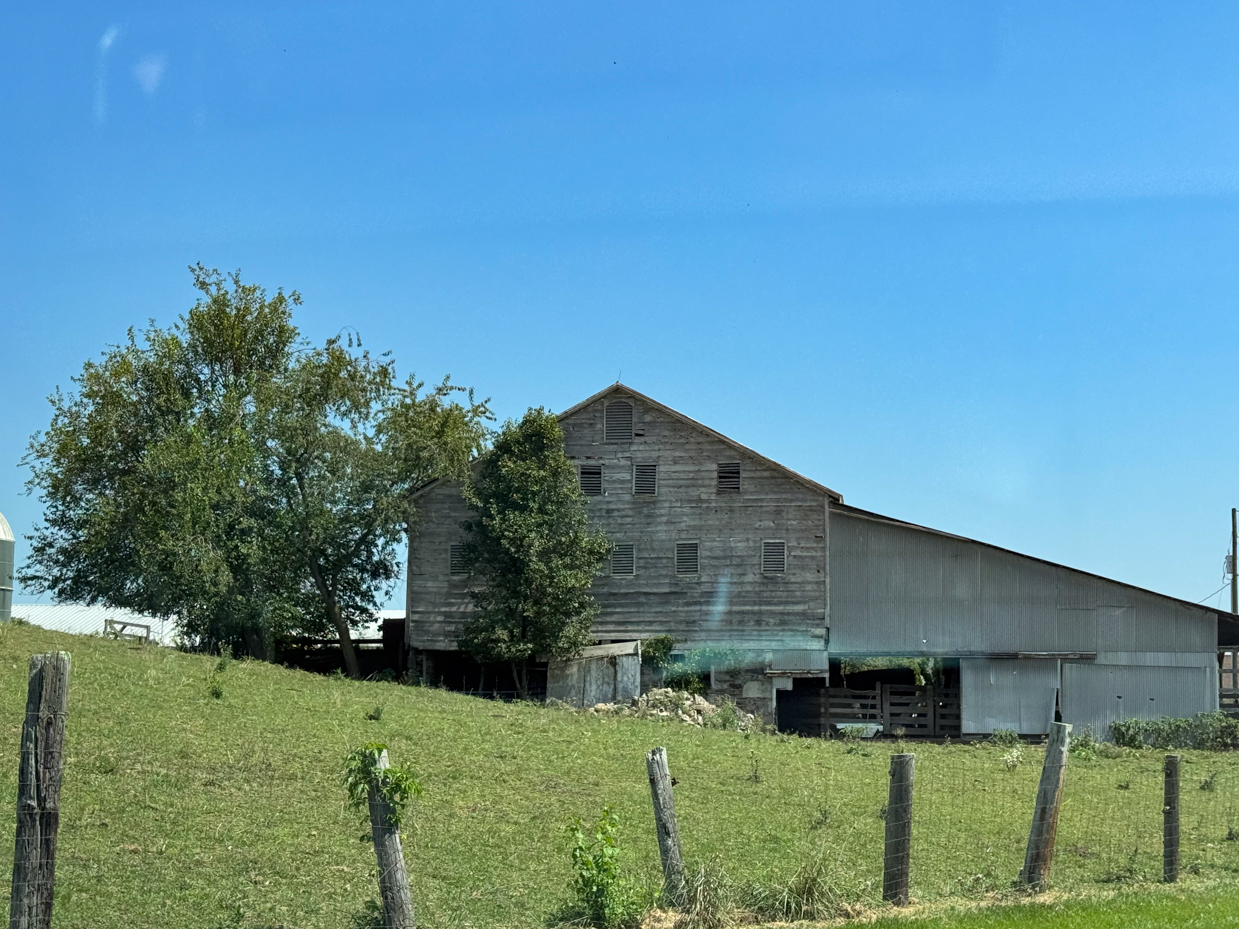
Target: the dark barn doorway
(802, 709)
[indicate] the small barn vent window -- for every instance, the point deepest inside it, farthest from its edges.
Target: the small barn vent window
(456, 560)
(773, 557)
(618, 421)
(645, 479)
(687, 557)
(729, 477)
(591, 480)
(624, 559)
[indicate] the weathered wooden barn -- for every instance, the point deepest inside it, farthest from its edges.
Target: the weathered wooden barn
(818, 614)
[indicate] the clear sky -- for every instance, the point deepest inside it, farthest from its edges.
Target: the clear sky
(972, 265)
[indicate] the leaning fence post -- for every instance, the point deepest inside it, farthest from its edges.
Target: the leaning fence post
(898, 854)
(664, 822)
(38, 792)
(393, 878)
(1170, 821)
(1040, 854)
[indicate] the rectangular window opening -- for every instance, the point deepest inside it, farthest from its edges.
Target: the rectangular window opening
(687, 557)
(624, 559)
(773, 557)
(729, 477)
(591, 480)
(645, 479)
(456, 560)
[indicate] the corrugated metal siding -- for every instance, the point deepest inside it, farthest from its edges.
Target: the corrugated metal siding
(901, 590)
(1014, 694)
(1096, 695)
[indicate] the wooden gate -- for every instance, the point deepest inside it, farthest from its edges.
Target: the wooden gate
(903, 710)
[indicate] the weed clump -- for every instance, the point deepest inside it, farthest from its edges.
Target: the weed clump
(810, 894)
(1005, 738)
(709, 900)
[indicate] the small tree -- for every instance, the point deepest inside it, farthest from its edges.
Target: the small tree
(226, 472)
(531, 548)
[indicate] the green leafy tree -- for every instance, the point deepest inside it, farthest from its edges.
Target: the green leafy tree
(227, 473)
(531, 548)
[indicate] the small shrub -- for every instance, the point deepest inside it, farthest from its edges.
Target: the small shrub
(754, 773)
(1210, 782)
(688, 681)
(1123, 785)
(215, 687)
(375, 715)
(1213, 731)
(1011, 760)
(851, 733)
(727, 717)
(225, 658)
(1005, 738)
(656, 651)
(1083, 744)
(601, 896)
(398, 785)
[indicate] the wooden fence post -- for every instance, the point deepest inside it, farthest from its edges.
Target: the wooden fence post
(1170, 820)
(38, 792)
(898, 853)
(665, 824)
(393, 878)
(1040, 854)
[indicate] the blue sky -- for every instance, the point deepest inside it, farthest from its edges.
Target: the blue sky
(972, 265)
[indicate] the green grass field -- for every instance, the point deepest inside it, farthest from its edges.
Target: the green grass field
(184, 810)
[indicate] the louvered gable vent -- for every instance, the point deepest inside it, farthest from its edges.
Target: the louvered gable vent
(618, 421)
(456, 560)
(687, 557)
(645, 479)
(624, 559)
(591, 480)
(729, 477)
(773, 557)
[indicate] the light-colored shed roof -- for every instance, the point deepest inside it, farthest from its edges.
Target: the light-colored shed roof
(81, 619)
(6, 531)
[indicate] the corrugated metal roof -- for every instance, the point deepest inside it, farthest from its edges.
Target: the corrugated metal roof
(81, 619)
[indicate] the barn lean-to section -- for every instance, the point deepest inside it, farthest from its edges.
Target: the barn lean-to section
(817, 614)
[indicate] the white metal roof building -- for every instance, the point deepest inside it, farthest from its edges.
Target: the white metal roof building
(81, 619)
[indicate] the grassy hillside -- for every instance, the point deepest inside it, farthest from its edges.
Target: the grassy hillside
(180, 809)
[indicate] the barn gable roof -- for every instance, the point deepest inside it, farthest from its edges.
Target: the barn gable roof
(618, 387)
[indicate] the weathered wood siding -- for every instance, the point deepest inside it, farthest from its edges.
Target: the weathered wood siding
(729, 603)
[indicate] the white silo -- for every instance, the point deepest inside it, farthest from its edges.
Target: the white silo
(6, 570)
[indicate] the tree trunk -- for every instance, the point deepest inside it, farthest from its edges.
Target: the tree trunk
(520, 674)
(351, 667)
